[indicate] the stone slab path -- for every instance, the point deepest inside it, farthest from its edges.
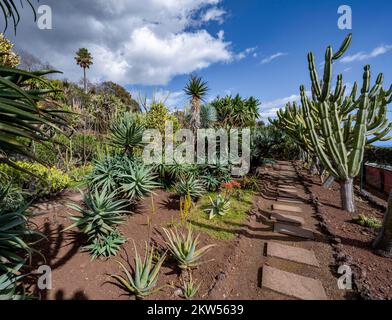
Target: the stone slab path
(288, 208)
(293, 231)
(293, 285)
(280, 217)
(290, 253)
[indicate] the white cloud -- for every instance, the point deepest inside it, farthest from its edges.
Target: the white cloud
(268, 109)
(273, 57)
(132, 42)
(214, 14)
(360, 56)
(247, 52)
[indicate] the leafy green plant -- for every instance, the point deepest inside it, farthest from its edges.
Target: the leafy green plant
(9, 285)
(127, 133)
(99, 218)
(138, 181)
(368, 222)
(184, 249)
(190, 288)
(105, 174)
(250, 182)
(143, 280)
(46, 181)
(12, 198)
(106, 245)
(191, 186)
(219, 206)
(211, 182)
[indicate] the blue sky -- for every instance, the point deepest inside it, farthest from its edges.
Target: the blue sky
(248, 47)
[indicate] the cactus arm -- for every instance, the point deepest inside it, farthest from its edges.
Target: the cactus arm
(346, 43)
(314, 76)
(327, 75)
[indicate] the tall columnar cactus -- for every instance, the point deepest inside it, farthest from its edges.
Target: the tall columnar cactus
(383, 243)
(340, 126)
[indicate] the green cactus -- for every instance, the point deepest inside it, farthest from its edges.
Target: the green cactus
(341, 126)
(383, 243)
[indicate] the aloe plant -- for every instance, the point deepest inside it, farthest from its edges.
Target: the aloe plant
(219, 206)
(190, 288)
(142, 281)
(192, 186)
(184, 249)
(101, 215)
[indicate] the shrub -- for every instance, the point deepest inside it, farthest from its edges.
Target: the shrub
(98, 220)
(45, 181)
(145, 276)
(184, 249)
(368, 222)
(189, 186)
(219, 206)
(126, 132)
(157, 116)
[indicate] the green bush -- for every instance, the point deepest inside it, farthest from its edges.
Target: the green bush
(45, 181)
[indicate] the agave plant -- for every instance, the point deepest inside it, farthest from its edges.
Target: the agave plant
(191, 186)
(127, 133)
(183, 247)
(178, 170)
(13, 233)
(138, 181)
(106, 245)
(211, 182)
(22, 118)
(219, 206)
(208, 116)
(143, 281)
(189, 288)
(100, 216)
(105, 174)
(9, 288)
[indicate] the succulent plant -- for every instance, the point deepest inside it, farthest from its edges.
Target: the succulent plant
(192, 186)
(142, 281)
(184, 249)
(190, 288)
(219, 206)
(106, 245)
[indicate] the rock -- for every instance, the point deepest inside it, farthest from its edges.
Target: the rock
(178, 292)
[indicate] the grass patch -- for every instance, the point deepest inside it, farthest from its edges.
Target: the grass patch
(222, 228)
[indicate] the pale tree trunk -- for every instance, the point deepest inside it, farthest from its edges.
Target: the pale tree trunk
(383, 243)
(195, 117)
(347, 195)
(328, 183)
(84, 80)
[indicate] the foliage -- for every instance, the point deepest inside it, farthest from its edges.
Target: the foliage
(222, 227)
(191, 186)
(99, 217)
(12, 198)
(145, 274)
(106, 245)
(184, 248)
(8, 57)
(196, 89)
(185, 207)
(250, 182)
(236, 112)
(106, 173)
(190, 288)
(208, 116)
(158, 115)
(126, 132)
(10, 10)
(21, 116)
(9, 285)
(83, 58)
(380, 155)
(368, 222)
(14, 249)
(138, 181)
(45, 181)
(219, 206)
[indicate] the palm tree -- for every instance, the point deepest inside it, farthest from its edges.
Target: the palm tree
(84, 60)
(196, 89)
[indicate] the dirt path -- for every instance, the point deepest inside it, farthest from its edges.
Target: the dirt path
(244, 275)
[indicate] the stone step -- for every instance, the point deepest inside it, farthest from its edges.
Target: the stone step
(288, 208)
(288, 187)
(279, 217)
(294, 231)
(285, 201)
(292, 285)
(294, 254)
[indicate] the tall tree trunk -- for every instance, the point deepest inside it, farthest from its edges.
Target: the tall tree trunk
(383, 243)
(195, 117)
(84, 80)
(328, 183)
(347, 195)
